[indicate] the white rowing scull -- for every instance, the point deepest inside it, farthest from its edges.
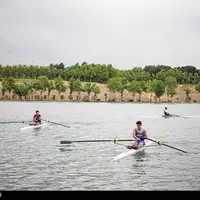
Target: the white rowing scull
(32, 126)
(130, 152)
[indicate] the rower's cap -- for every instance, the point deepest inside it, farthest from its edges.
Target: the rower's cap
(139, 122)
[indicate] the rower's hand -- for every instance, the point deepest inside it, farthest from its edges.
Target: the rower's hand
(160, 142)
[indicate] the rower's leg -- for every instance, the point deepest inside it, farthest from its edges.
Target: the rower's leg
(141, 144)
(133, 146)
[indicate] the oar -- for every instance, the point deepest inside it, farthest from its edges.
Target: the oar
(161, 143)
(112, 140)
(178, 116)
(56, 123)
(10, 122)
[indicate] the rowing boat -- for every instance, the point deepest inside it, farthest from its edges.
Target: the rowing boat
(32, 126)
(130, 152)
(168, 116)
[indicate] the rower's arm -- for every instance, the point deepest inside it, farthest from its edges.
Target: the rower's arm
(134, 134)
(145, 133)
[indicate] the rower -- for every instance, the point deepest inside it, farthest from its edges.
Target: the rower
(166, 113)
(139, 134)
(37, 118)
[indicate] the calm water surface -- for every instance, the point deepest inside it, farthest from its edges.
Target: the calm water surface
(35, 160)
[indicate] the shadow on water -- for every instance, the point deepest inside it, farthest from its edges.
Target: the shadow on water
(140, 163)
(139, 157)
(65, 148)
(37, 131)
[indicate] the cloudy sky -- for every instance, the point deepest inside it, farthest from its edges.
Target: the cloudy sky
(124, 33)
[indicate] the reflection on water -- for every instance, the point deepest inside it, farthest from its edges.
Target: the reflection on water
(37, 131)
(140, 156)
(64, 149)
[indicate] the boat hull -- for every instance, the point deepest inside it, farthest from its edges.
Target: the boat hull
(32, 127)
(165, 116)
(130, 152)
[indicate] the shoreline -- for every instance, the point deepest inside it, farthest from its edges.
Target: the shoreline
(117, 102)
(111, 97)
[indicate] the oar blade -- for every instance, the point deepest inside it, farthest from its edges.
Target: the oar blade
(65, 142)
(175, 148)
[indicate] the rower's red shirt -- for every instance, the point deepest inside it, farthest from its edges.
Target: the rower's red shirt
(37, 116)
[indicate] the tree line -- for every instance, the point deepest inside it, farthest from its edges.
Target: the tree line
(155, 87)
(43, 84)
(101, 73)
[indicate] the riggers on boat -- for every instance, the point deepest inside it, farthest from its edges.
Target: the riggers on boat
(32, 126)
(130, 152)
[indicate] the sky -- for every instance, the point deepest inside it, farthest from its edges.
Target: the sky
(124, 33)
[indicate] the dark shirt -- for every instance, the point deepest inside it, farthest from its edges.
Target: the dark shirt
(166, 113)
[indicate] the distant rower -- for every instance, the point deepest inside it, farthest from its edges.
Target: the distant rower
(166, 113)
(37, 118)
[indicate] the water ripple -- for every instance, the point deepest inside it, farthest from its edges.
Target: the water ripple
(35, 160)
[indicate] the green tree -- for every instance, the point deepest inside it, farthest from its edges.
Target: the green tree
(96, 90)
(60, 85)
(71, 87)
(159, 88)
(8, 85)
(106, 96)
(88, 87)
(150, 88)
(4, 87)
(171, 86)
(78, 88)
(117, 84)
(132, 88)
(3, 91)
(187, 92)
(198, 88)
(37, 86)
(50, 87)
(21, 90)
(139, 89)
(44, 82)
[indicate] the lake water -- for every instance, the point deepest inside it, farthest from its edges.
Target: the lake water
(35, 160)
